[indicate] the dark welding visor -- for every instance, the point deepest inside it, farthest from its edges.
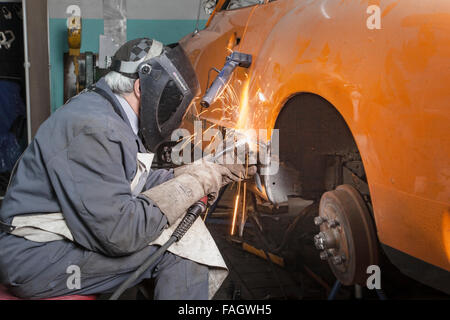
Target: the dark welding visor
(168, 86)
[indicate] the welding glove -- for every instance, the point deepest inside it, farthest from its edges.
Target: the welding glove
(238, 172)
(234, 172)
(175, 196)
(230, 173)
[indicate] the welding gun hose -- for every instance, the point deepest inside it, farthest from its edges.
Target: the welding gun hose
(192, 214)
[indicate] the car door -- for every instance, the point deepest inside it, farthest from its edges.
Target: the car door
(209, 48)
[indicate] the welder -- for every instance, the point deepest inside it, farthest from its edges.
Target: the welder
(83, 196)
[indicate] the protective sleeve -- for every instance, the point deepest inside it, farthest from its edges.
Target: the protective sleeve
(96, 198)
(158, 177)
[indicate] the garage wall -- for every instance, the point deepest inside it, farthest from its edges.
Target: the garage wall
(165, 20)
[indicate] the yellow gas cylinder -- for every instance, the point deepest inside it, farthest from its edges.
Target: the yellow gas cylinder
(74, 35)
(74, 41)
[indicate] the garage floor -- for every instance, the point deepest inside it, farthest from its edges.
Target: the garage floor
(304, 275)
(252, 277)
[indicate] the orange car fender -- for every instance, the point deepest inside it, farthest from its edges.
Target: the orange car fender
(365, 83)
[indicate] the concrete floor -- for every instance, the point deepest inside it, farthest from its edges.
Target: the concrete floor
(254, 278)
(304, 275)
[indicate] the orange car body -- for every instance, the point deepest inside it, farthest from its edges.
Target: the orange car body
(391, 85)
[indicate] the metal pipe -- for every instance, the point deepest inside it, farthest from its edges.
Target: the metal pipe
(196, 31)
(27, 69)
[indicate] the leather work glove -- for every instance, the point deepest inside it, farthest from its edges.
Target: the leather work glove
(234, 173)
(238, 172)
(175, 196)
(230, 173)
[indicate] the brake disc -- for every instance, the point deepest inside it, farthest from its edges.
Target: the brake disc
(347, 235)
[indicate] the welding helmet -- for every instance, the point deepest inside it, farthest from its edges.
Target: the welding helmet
(168, 85)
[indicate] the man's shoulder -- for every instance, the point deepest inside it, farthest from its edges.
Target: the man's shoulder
(85, 104)
(87, 113)
(89, 110)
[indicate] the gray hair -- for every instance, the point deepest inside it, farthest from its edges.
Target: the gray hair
(119, 84)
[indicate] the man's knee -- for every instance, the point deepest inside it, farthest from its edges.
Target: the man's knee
(179, 278)
(196, 273)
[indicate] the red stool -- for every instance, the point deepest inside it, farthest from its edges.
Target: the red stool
(5, 295)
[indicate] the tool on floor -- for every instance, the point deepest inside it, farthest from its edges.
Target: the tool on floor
(192, 214)
(234, 60)
(262, 254)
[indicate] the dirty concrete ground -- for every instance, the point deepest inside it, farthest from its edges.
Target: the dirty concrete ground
(304, 276)
(254, 278)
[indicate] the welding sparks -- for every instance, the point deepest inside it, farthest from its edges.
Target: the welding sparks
(206, 215)
(243, 112)
(235, 108)
(204, 132)
(262, 97)
(244, 205)
(236, 206)
(188, 140)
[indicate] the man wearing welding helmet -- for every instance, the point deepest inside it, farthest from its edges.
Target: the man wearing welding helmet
(83, 196)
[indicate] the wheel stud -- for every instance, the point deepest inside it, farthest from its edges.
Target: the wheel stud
(319, 221)
(325, 240)
(319, 241)
(324, 255)
(333, 223)
(337, 260)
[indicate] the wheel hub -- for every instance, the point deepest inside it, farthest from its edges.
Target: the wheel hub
(347, 237)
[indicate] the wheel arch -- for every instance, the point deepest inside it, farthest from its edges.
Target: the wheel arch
(313, 114)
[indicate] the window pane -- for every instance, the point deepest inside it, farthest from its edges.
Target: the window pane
(236, 4)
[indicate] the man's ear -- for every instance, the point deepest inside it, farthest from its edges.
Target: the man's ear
(137, 88)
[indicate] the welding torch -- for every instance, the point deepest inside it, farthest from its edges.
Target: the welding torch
(234, 60)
